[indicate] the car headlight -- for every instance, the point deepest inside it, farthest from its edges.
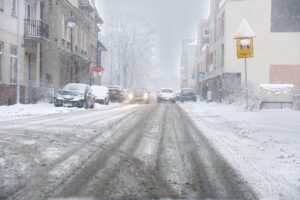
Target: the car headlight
(59, 97)
(146, 96)
(130, 96)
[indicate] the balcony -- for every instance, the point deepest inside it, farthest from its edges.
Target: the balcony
(86, 5)
(36, 29)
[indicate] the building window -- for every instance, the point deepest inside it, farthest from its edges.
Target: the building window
(14, 8)
(222, 55)
(29, 12)
(63, 26)
(1, 59)
(13, 64)
(83, 41)
(68, 36)
(285, 16)
(2, 5)
(74, 35)
(206, 36)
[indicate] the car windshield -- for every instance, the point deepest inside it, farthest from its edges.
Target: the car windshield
(149, 99)
(167, 91)
(187, 91)
(73, 89)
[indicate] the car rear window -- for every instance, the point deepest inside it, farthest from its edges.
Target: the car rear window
(167, 91)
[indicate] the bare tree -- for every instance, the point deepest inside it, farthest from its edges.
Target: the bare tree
(131, 42)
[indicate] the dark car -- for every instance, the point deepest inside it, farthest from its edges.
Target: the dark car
(75, 95)
(139, 95)
(187, 94)
(117, 94)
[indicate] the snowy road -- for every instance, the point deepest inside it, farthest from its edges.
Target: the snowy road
(136, 151)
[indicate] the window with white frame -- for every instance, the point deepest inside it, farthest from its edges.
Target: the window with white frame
(63, 26)
(14, 8)
(1, 5)
(29, 11)
(68, 34)
(1, 59)
(75, 35)
(13, 64)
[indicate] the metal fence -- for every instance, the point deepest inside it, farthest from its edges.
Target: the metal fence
(297, 99)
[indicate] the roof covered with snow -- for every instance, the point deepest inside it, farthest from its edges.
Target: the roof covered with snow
(277, 87)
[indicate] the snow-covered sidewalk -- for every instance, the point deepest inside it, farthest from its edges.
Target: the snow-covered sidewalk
(263, 146)
(40, 109)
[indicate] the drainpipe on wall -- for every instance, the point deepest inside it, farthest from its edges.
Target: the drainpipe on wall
(18, 53)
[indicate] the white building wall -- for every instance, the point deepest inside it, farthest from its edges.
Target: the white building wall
(8, 30)
(269, 48)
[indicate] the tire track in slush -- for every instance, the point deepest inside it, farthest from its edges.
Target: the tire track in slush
(221, 180)
(127, 177)
(84, 175)
(42, 172)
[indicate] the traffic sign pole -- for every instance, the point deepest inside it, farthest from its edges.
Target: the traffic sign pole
(246, 86)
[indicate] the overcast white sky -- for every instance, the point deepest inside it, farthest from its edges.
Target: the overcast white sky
(172, 20)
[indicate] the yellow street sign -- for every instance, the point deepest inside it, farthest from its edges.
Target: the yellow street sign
(244, 48)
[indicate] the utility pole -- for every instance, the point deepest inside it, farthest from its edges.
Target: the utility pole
(18, 54)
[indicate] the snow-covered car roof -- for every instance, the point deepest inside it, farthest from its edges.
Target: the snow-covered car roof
(100, 91)
(78, 87)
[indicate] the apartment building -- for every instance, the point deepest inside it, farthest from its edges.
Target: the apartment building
(276, 46)
(32, 33)
(187, 63)
(71, 51)
(52, 53)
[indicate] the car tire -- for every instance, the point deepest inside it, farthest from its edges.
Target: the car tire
(92, 106)
(85, 105)
(55, 104)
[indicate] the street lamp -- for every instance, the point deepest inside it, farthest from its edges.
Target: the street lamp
(71, 23)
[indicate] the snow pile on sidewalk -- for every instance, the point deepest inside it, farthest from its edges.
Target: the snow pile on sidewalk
(263, 146)
(23, 110)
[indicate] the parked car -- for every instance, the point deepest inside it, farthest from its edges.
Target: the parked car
(187, 94)
(177, 95)
(166, 94)
(101, 93)
(117, 94)
(139, 95)
(75, 95)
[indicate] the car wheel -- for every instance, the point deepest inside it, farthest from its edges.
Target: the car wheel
(55, 104)
(92, 106)
(85, 105)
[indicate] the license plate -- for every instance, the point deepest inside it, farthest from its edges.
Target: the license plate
(68, 105)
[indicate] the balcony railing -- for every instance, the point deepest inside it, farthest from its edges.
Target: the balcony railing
(36, 29)
(86, 4)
